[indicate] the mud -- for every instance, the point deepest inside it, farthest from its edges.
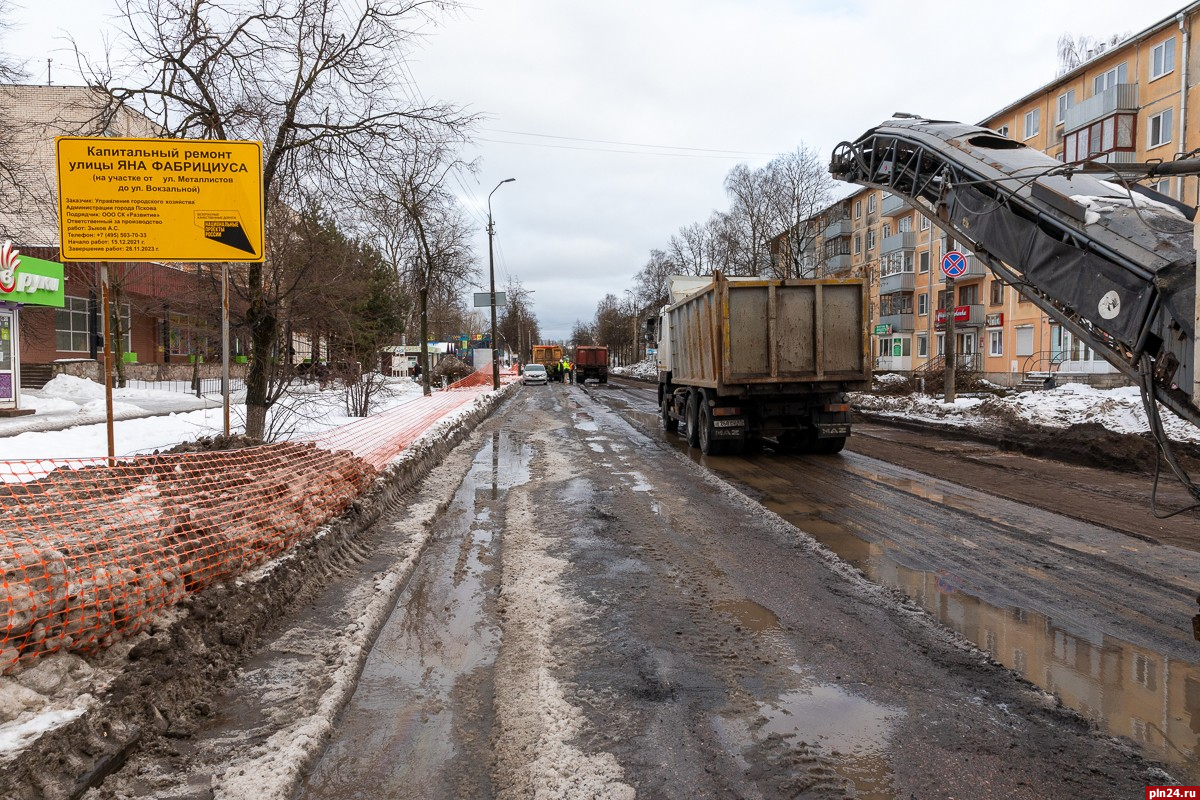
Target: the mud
(157, 688)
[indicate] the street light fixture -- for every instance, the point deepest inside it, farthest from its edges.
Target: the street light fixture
(492, 278)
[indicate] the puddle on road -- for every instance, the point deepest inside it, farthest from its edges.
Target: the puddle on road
(1133, 691)
(752, 616)
(396, 736)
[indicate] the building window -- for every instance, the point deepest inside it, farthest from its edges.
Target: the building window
(1162, 186)
(71, 326)
(857, 243)
(887, 229)
(1024, 340)
(1065, 101)
(871, 203)
(1002, 130)
(904, 225)
(1145, 672)
(923, 304)
(871, 239)
(997, 292)
(923, 345)
(1160, 128)
(996, 343)
(858, 209)
(941, 344)
(924, 222)
(1033, 123)
(188, 335)
(1107, 80)
(923, 262)
(1162, 58)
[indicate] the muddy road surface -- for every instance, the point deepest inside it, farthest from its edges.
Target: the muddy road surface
(593, 611)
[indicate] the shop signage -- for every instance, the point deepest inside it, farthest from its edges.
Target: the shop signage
(30, 281)
(961, 314)
(883, 330)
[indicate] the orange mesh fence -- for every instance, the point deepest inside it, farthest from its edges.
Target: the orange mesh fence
(89, 552)
(482, 377)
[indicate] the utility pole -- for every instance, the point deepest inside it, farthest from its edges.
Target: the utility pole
(951, 356)
(491, 230)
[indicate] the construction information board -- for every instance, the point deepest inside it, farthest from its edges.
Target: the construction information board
(159, 199)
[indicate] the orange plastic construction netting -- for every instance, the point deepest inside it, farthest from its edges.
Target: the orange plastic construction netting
(91, 551)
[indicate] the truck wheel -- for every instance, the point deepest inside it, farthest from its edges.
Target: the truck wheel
(670, 424)
(693, 419)
(709, 444)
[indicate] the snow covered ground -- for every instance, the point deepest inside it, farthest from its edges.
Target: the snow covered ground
(70, 418)
(1118, 410)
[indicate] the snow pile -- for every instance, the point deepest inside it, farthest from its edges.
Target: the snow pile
(642, 370)
(1118, 410)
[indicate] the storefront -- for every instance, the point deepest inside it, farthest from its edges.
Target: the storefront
(24, 281)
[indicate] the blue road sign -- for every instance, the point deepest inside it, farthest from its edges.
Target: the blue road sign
(954, 264)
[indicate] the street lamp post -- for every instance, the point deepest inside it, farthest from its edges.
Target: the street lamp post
(492, 278)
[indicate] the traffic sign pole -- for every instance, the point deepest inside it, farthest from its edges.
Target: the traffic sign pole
(951, 356)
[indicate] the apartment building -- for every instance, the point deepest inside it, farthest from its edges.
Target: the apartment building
(1125, 103)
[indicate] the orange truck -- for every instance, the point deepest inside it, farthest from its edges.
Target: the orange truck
(591, 361)
(547, 355)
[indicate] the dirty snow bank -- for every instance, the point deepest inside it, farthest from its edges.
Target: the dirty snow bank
(1118, 410)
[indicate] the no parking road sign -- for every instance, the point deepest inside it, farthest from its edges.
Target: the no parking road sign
(954, 264)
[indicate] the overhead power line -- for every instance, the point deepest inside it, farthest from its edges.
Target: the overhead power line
(628, 144)
(624, 152)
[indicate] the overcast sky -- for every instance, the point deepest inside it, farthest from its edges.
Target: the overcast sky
(606, 113)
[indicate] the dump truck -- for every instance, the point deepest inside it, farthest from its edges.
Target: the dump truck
(591, 361)
(742, 361)
(548, 355)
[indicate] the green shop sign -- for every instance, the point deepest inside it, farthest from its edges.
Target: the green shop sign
(29, 280)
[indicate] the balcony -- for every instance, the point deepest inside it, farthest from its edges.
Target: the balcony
(891, 205)
(964, 317)
(899, 323)
(906, 240)
(841, 227)
(1121, 97)
(839, 263)
(897, 282)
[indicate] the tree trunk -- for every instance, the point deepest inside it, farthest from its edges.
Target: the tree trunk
(425, 342)
(262, 336)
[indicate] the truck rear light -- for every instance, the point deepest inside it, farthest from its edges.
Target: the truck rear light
(727, 411)
(837, 408)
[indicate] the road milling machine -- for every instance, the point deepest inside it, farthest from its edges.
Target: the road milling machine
(1112, 261)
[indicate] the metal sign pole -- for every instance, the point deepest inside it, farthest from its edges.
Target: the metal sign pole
(225, 343)
(108, 363)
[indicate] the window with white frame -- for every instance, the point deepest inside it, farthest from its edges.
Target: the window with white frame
(996, 342)
(924, 222)
(1002, 130)
(997, 287)
(923, 262)
(923, 304)
(1033, 123)
(858, 209)
(941, 344)
(1160, 128)
(1162, 186)
(871, 239)
(1162, 58)
(871, 203)
(904, 225)
(887, 230)
(857, 243)
(1109, 79)
(923, 345)
(1065, 101)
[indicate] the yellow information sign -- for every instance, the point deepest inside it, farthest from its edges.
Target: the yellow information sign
(159, 199)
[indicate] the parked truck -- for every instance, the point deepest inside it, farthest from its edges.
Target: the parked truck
(746, 360)
(548, 355)
(591, 361)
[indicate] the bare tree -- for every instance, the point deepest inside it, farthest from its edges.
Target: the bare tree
(319, 82)
(518, 325)
(422, 230)
(798, 187)
(1072, 51)
(14, 160)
